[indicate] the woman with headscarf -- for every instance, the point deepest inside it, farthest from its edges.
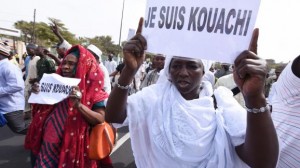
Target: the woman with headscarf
(59, 134)
(177, 124)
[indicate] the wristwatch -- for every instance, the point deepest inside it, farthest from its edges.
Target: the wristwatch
(259, 110)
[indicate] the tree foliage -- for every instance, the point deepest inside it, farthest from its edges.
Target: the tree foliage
(26, 29)
(105, 44)
(43, 35)
(70, 37)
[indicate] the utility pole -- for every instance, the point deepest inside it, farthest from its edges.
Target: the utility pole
(33, 28)
(121, 24)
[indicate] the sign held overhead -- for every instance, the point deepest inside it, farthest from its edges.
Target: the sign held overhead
(215, 30)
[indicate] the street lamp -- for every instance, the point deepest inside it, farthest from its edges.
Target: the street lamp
(121, 23)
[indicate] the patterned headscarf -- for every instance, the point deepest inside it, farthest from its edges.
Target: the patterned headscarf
(4, 49)
(76, 54)
(76, 133)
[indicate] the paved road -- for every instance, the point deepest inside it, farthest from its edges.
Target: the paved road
(13, 154)
(122, 156)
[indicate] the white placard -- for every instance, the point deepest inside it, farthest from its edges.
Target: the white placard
(131, 33)
(53, 89)
(216, 30)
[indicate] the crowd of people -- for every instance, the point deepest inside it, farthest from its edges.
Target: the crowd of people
(179, 112)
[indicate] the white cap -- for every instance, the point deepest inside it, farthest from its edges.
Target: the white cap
(95, 50)
(66, 45)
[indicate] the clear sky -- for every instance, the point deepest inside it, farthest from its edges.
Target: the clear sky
(277, 19)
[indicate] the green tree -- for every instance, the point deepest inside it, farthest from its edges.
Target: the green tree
(26, 29)
(105, 44)
(84, 41)
(70, 37)
(43, 34)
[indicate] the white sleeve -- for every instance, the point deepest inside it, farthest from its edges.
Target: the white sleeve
(107, 85)
(65, 44)
(235, 116)
(14, 81)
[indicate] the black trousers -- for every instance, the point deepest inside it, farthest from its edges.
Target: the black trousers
(16, 122)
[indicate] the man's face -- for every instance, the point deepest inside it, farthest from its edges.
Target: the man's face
(30, 51)
(159, 62)
(40, 51)
(60, 52)
(186, 74)
(225, 67)
(110, 57)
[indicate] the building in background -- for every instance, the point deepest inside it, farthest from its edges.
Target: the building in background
(10, 36)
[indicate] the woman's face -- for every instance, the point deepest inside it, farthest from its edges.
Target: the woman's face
(69, 65)
(186, 74)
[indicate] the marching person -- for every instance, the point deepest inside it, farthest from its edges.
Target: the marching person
(59, 134)
(177, 124)
(286, 104)
(12, 101)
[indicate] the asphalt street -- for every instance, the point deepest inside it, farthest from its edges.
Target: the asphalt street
(13, 154)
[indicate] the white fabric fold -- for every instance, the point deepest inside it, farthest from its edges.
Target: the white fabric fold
(65, 44)
(168, 131)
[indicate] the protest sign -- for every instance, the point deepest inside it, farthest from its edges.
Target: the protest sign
(53, 89)
(214, 30)
(131, 33)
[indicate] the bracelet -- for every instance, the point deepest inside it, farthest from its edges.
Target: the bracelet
(259, 110)
(123, 87)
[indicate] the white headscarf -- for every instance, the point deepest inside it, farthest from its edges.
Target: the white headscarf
(168, 131)
(95, 50)
(165, 72)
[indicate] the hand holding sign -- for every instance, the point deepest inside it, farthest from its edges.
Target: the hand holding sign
(52, 89)
(250, 71)
(134, 49)
(75, 95)
(214, 30)
(35, 88)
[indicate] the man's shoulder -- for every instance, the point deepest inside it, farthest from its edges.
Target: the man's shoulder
(226, 77)
(36, 58)
(9, 67)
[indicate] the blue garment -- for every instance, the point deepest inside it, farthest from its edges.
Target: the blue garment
(26, 62)
(11, 88)
(3, 120)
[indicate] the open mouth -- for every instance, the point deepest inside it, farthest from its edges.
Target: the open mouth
(183, 83)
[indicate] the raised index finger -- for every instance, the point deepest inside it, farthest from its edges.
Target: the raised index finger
(140, 27)
(253, 42)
